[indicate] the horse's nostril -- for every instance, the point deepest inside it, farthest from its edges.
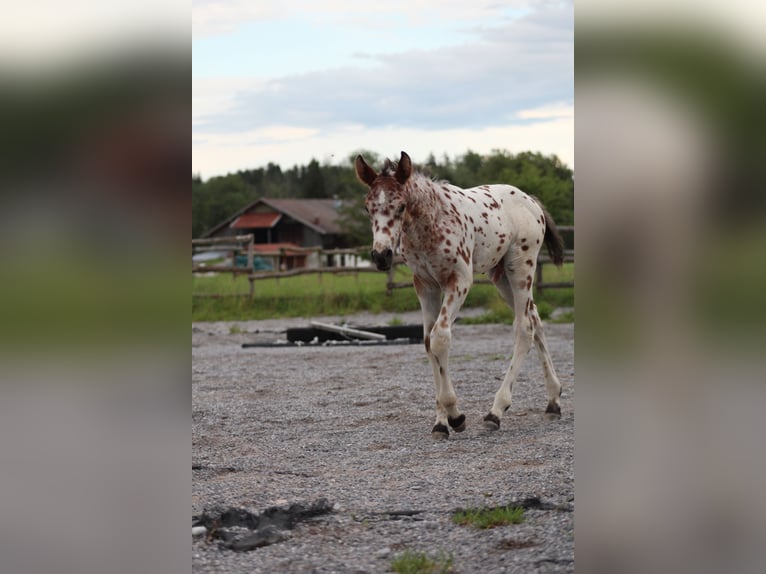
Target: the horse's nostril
(382, 259)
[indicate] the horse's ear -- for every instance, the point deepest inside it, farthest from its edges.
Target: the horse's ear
(364, 172)
(404, 169)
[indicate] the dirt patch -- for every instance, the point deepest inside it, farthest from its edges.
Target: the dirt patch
(276, 428)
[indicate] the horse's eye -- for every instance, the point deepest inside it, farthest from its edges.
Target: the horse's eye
(400, 210)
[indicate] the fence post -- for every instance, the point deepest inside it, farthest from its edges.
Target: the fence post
(250, 255)
(390, 282)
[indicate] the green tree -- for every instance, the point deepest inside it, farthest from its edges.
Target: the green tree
(214, 200)
(312, 184)
(352, 215)
(217, 199)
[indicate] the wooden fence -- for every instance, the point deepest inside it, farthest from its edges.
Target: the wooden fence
(244, 244)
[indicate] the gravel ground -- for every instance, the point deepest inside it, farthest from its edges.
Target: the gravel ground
(279, 426)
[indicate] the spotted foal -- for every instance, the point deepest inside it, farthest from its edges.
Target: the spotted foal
(445, 234)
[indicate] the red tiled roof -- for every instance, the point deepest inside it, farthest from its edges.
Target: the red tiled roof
(255, 221)
(319, 214)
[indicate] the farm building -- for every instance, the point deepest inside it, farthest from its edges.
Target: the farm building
(280, 226)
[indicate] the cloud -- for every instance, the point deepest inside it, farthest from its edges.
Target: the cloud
(520, 65)
(267, 135)
(214, 155)
(212, 18)
(216, 17)
(548, 111)
(505, 82)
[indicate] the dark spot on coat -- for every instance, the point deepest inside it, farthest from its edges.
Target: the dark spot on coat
(524, 247)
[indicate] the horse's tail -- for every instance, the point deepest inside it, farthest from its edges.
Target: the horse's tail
(553, 240)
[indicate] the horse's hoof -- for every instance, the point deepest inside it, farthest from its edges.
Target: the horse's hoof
(491, 422)
(457, 424)
(552, 412)
(440, 432)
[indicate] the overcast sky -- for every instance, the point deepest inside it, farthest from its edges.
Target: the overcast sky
(286, 81)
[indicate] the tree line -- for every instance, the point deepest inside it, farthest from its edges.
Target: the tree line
(544, 176)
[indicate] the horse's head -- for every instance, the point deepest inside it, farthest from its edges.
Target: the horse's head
(386, 203)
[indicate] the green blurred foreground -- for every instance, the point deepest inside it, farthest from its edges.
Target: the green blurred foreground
(315, 295)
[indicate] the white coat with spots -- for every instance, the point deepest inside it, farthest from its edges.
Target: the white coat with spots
(445, 234)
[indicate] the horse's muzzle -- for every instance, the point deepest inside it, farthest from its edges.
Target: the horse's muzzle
(383, 259)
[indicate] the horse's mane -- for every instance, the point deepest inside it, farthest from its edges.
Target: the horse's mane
(390, 166)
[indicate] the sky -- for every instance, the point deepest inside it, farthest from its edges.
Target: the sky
(288, 81)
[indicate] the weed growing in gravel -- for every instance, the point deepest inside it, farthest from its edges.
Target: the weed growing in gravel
(419, 563)
(567, 317)
(489, 517)
(497, 314)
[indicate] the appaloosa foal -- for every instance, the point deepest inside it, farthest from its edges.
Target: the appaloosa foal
(445, 234)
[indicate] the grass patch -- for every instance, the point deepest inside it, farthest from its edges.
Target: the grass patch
(489, 517)
(420, 563)
(492, 316)
(329, 294)
(500, 312)
(567, 317)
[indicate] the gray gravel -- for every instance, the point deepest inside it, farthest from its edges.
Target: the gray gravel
(277, 426)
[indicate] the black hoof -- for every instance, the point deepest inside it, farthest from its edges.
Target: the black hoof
(491, 422)
(440, 432)
(553, 411)
(457, 424)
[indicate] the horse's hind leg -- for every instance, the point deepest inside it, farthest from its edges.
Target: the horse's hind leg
(515, 286)
(552, 384)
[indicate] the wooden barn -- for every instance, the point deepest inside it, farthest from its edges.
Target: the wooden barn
(281, 224)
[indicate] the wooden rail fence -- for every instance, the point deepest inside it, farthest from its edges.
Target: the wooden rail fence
(244, 244)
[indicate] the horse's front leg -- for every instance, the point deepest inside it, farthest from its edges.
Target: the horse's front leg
(438, 342)
(430, 296)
